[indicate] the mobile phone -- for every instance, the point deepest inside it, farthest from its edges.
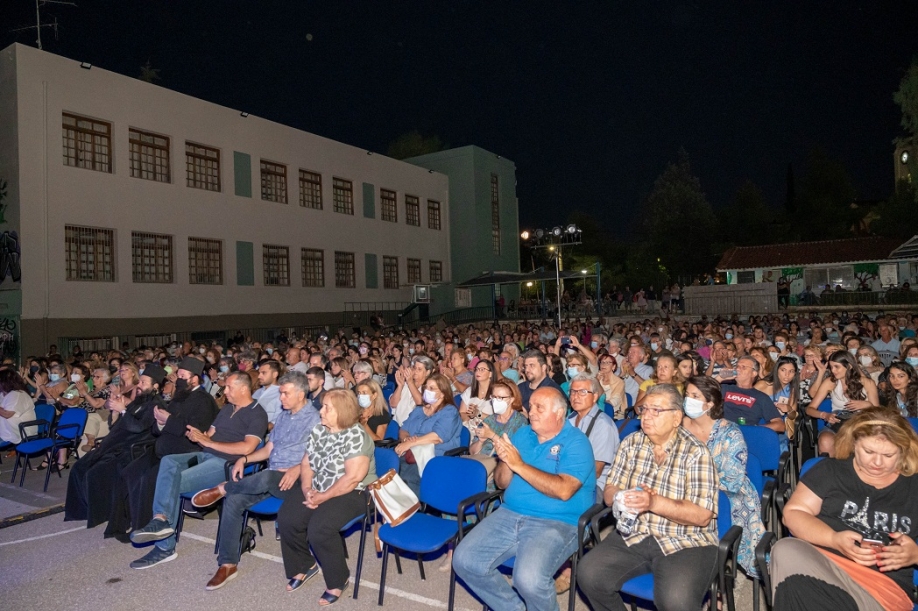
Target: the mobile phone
(783, 400)
(875, 541)
(565, 340)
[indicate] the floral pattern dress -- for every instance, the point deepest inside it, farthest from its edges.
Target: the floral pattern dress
(728, 448)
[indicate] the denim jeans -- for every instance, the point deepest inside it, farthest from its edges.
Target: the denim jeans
(540, 547)
(179, 473)
(240, 496)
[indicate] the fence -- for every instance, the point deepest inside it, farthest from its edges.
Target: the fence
(714, 299)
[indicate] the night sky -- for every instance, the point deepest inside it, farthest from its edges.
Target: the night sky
(590, 99)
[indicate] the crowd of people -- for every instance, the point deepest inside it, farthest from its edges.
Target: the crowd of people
(543, 407)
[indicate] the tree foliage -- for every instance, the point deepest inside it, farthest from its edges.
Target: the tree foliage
(907, 99)
(898, 216)
(825, 201)
(413, 144)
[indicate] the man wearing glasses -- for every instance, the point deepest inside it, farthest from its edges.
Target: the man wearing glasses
(595, 424)
(669, 480)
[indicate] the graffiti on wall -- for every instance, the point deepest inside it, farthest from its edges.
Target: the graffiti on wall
(9, 338)
(10, 256)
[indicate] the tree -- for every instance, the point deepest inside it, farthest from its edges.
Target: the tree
(148, 73)
(678, 222)
(907, 99)
(825, 202)
(898, 216)
(749, 221)
(413, 144)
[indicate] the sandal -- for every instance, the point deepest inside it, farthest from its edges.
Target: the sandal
(41, 467)
(329, 599)
(295, 584)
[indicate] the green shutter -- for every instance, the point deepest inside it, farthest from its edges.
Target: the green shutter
(370, 264)
(369, 201)
(245, 264)
(242, 171)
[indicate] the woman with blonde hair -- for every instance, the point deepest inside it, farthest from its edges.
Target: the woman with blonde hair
(374, 413)
(851, 518)
(666, 371)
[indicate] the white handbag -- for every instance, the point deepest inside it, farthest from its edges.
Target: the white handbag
(393, 498)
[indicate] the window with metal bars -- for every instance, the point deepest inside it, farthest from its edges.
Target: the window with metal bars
(495, 215)
(87, 143)
(310, 189)
(313, 267)
(205, 261)
(343, 196)
(413, 210)
(390, 272)
(389, 205)
(433, 214)
(151, 257)
(276, 262)
(90, 253)
(436, 271)
(149, 156)
(414, 271)
(345, 276)
(273, 182)
(202, 165)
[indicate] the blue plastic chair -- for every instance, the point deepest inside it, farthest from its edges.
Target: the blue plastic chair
(914, 423)
(39, 443)
(629, 400)
(642, 586)
(387, 391)
(392, 430)
(630, 426)
(69, 429)
(825, 406)
(447, 486)
(465, 439)
(765, 444)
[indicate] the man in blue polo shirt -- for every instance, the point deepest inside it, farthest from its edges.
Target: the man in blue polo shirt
(549, 474)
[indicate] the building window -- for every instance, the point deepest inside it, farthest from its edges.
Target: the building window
(495, 215)
(412, 210)
(310, 189)
(345, 277)
(87, 143)
(90, 253)
(389, 205)
(151, 257)
(433, 214)
(390, 272)
(343, 196)
(149, 156)
(273, 182)
(313, 267)
(414, 271)
(276, 262)
(436, 271)
(205, 261)
(202, 164)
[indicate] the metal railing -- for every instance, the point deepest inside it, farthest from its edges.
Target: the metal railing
(858, 298)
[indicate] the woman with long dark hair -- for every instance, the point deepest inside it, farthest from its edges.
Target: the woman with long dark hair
(902, 389)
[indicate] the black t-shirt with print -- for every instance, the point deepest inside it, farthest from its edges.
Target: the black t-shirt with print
(850, 504)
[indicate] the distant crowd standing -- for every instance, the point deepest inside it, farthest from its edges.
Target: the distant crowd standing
(543, 407)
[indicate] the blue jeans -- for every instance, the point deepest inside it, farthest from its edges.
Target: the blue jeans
(179, 473)
(540, 547)
(240, 496)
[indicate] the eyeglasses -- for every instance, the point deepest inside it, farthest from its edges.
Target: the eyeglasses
(601, 363)
(581, 391)
(482, 370)
(656, 411)
(507, 398)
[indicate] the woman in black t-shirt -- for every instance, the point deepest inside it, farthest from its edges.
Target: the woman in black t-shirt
(374, 413)
(857, 513)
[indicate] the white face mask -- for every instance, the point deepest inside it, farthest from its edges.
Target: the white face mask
(430, 396)
(364, 401)
(75, 377)
(499, 406)
(773, 355)
(694, 408)
(853, 351)
(866, 361)
(201, 350)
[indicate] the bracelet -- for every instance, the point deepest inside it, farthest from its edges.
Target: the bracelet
(246, 459)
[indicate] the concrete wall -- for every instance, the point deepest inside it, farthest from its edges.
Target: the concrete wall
(50, 195)
(731, 298)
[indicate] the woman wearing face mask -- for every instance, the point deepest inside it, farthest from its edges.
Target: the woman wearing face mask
(870, 362)
(902, 389)
(218, 376)
(704, 419)
(437, 423)
(374, 414)
(507, 417)
(57, 383)
(576, 364)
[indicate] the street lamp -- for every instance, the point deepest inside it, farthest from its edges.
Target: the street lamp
(525, 235)
(554, 240)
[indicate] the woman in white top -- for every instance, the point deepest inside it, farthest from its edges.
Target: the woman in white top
(15, 406)
(476, 399)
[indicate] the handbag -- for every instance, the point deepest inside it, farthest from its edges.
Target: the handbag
(393, 498)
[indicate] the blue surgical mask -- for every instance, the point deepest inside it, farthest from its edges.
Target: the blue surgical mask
(780, 345)
(654, 346)
(572, 371)
(912, 360)
(269, 350)
(54, 377)
(694, 408)
(364, 401)
(728, 335)
(224, 368)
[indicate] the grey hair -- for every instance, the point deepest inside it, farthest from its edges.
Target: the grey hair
(425, 361)
(104, 371)
(669, 391)
(512, 349)
(362, 366)
(297, 379)
(754, 363)
(595, 386)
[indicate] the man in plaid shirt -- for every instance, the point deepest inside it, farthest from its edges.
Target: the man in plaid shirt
(670, 481)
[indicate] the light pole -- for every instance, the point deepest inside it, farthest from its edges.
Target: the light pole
(554, 240)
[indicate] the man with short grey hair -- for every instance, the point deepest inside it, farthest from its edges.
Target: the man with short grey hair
(595, 424)
(744, 404)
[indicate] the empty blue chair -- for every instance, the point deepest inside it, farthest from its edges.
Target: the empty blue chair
(39, 443)
(765, 444)
(69, 429)
(448, 483)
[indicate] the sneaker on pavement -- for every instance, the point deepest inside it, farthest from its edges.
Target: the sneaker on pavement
(223, 574)
(154, 556)
(154, 531)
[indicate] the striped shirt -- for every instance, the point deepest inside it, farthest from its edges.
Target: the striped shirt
(687, 473)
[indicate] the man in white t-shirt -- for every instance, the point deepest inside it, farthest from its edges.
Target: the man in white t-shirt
(887, 346)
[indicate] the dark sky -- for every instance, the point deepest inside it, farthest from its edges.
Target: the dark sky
(590, 99)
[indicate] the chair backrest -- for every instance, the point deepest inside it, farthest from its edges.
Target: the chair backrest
(765, 444)
(457, 400)
(465, 437)
(386, 459)
(809, 465)
(45, 411)
(914, 423)
(754, 473)
(392, 430)
(629, 400)
(387, 391)
(630, 427)
(724, 514)
(448, 480)
(73, 415)
(609, 409)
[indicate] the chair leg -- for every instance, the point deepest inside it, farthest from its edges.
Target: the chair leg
(180, 522)
(572, 594)
(258, 521)
(245, 522)
(51, 461)
(452, 590)
(219, 523)
(398, 561)
(421, 567)
(382, 575)
(755, 595)
(363, 540)
(15, 469)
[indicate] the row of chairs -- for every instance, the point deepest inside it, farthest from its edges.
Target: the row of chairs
(50, 434)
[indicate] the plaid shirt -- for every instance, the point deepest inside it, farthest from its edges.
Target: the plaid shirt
(687, 473)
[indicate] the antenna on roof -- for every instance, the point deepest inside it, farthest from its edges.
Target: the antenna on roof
(38, 24)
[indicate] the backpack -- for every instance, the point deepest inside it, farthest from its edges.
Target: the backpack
(248, 539)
